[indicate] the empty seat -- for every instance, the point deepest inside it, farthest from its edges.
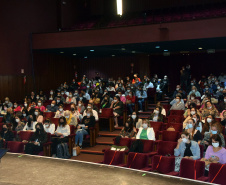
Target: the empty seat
(175, 119)
(113, 157)
(15, 147)
(137, 161)
(25, 135)
(166, 148)
(163, 164)
(170, 135)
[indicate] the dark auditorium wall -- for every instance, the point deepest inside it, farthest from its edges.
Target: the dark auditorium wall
(18, 19)
(201, 64)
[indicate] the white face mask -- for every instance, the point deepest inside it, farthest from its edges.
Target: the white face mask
(79, 104)
(17, 120)
(194, 119)
(60, 109)
(115, 100)
(192, 112)
(218, 87)
(58, 101)
(209, 120)
(88, 107)
(6, 102)
(36, 113)
(88, 114)
(192, 98)
(15, 106)
(209, 107)
(193, 90)
(67, 117)
(134, 116)
(52, 105)
(25, 105)
(37, 97)
(156, 111)
(51, 92)
(177, 89)
(185, 140)
(190, 125)
(70, 95)
(39, 104)
(215, 145)
(145, 125)
(177, 100)
(24, 115)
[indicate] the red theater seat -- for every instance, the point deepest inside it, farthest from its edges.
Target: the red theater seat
(107, 113)
(15, 147)
(165, 165)
(176, 112)
(48, 114)
(113, 157)
(166, 148)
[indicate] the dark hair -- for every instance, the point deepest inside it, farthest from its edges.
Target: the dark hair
(47, 120)
(216, 137)
(186, 134)
(130, 128)
(117, 98)
(62, 117)
(41, 131)
(136, 120)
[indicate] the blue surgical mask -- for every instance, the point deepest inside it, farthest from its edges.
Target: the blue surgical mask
(190, 125)
(198, 128)
(213, 132)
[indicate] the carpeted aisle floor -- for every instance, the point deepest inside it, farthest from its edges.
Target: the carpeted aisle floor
(33, 170)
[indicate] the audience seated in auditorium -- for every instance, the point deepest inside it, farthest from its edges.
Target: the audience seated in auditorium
(156, 116)
(158, 104)
(179, 91)
(30, 125)
(191, 111)
(61, 134)
(94, 112)
(81, 108)
(88, 121)
(8, 103)
(17, 108)
(40, 106)
(35, 145)
(141, 95)
(192, 100)
(128, 131)
(209, 109)
(9, 117)
(105, 102)
(70, 98)
(146, 132)
(117, 107)
(130, 101)
(75, 112)
(48, 126)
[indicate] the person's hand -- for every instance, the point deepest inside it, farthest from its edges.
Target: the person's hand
(179, 141)
(216, 158)
(206, 143)
(25, 141)
(36, 143)
(56, 133)
(78, 127)
(126, 137)
(186, 157)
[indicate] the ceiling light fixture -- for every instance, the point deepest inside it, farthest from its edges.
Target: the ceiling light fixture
(157, 47)
(61, 52)
(119, 7)
(200, 48)
(74, 54)
(165, 49)
(85, 57)
(92, 50)
(123, 49)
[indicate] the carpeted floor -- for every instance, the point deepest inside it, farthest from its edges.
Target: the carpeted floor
(34, 170)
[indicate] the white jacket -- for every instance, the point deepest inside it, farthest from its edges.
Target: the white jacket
(150, 133)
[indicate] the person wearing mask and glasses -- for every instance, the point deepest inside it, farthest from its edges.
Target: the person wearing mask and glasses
(137, 122)
(146, 132)
(60, 112)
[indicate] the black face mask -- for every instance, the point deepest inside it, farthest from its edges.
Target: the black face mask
(38, 129)
(4, 129)
(61, 123)
(72, 109)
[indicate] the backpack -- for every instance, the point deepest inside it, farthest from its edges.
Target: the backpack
(62, 151)
(137, 146)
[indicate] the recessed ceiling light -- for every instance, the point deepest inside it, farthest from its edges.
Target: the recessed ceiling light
(85, 57)
(123, 48)
(61, 52)
(74, 54)
(200, 48)
(157, 47)
(133, 51)
(113, 55)
(165, 49)
(92, 50)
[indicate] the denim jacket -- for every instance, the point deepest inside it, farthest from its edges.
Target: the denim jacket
(194, 149)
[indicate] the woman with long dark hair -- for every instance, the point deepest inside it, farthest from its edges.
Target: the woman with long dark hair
(35, 145)
(129, 131)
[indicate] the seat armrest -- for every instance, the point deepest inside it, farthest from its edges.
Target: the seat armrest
(146, 169)
(173, 173)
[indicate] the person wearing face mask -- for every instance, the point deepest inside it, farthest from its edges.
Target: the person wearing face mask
(70, 99)
(76, 94)
(130, 102)
(35, 145)
(81, 108)
(18, 125)
(215, 152)
(215, 129)
(141, 95)
(17, 108)
(207, 89)
(8, 117)
(178, 105)
(156, 116)
(195, 134)
(70, 118)
(179, 90)
(186, 148)
(58, 101)
(30, 125)
(146, 132)
(106, 102)
(128, 131)
(6, 134)
(95, 113)
(61, 135)
(51, 95)
(52, 108)
(24, 116)
(49, 127)
(59, 112)
(136, 121)
(192, 100)
(40, 106)
(128, 91)
(75, 112)
(222, 105)
(194, 91)
(223, 119)
(117, 107)
(209, 109)
(208, 122)
(88, 121)
(85, 95)
(33, 97)
(192, 111)
(8, 103)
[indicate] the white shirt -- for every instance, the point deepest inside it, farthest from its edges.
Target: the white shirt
(87, 96)
(64, 130)
(150, 85)
(32, 127)
(163, 112)
(150, 133)
(51, 128)
(95, 114)
(73, 100)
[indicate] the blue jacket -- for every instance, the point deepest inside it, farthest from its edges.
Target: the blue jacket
(194, 149)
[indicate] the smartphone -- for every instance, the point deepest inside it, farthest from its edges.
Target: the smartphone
(212, 156)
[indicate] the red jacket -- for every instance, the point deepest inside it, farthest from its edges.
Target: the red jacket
(132, 99)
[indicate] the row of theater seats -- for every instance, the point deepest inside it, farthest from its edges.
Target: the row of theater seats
(192, 169)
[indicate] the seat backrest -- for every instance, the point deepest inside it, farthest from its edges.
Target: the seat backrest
(156, 126)
(72, 129)
(67, 106)
(1, 125)
(124, 142)
(25, 135)
(114, 157)
(176, 112)
(175, 119)
(151, 92)
(148, 145)
(166, 165)
(1, 118)
(107, 112)
(189, 168)
(201, 151)
(177, 126)
(48, 114)
(139, 162)
(15, 147)
(166, 147)
(213, 170)
(170, 136)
